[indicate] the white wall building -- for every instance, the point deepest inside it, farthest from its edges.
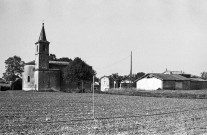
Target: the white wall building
(156, 81)
(149, 84)
(104, 83)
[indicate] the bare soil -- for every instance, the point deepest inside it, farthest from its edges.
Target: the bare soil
(71, 113)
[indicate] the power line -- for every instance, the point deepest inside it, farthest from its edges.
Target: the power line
(112, 64)
(118, 61)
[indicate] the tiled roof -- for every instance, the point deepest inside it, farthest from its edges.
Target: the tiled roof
(59, 62)
(169, 77)
(54, 69)
(50, 62)
(104, 76)
(30, 63)
(166, 77)
(198, 79)
(173, 72)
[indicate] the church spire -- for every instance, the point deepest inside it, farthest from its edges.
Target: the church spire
(42, 34)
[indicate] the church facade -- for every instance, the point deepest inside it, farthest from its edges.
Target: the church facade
(42, 74)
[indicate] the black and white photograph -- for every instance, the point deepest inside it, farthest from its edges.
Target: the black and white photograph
(103, 67)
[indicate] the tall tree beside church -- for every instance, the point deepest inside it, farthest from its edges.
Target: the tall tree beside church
(78, 71)
(14, 68)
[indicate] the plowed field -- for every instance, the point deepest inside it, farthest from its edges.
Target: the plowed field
(70, 113)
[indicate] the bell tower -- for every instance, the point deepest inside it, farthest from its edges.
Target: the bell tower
(42, 72)
(42, 51)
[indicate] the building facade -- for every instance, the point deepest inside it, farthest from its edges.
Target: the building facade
(105, 83)
(43, 74)
(157, 81)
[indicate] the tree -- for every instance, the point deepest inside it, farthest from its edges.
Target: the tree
(14, 68)
(53, 57)
(139, 74)
(66, 59)
(78, 71)
(96, 79)
(117, 78)
(17, 84)
(204, 75)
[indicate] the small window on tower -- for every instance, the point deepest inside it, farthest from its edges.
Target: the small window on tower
(43, 47)
(37, 48)
(28, 79)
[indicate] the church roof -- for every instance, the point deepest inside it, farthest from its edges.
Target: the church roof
(50, 62)
(30, 63)
(42, 37)
(59, 62)
(42, 34)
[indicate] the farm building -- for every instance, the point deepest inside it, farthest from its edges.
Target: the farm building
(107, 82)
(42, 74)
(156, 81)
(104, 83)
(198, 83)
(125, 83)
(172, 72)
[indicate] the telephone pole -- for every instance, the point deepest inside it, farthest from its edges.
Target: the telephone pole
(131, 72)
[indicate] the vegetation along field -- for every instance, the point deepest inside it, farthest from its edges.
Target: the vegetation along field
(71, 113)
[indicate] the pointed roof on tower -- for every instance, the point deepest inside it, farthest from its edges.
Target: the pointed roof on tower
(42, 34)
(42, 37)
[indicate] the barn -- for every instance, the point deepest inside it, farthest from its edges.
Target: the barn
(156, 81)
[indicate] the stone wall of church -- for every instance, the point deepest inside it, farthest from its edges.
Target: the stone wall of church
(63, 83)
(49, 80)
(60, 67)
(55, 80)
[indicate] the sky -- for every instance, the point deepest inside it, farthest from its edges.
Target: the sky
(161, 34)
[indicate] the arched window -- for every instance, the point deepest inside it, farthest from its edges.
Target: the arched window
(28, 79)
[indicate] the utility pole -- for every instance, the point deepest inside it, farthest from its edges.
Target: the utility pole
(131, 72)
(93, 101)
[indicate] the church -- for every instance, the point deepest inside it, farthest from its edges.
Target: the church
(42, 74)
